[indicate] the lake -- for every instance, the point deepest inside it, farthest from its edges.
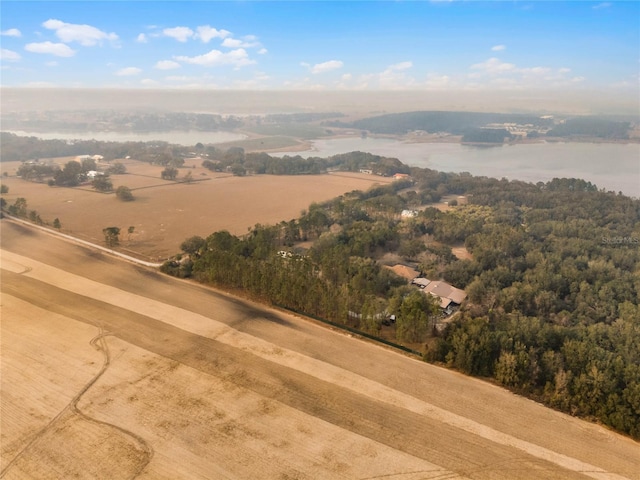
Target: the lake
(610, 166)
(188, 138)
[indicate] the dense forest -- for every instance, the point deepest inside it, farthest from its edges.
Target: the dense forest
(473, 125)
(456, 123)
(148, 121)
(553, 281)
(108, 120)
(237, 161)
(21, 148)
(591, 127)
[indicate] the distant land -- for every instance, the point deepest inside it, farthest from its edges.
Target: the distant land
(539, 101)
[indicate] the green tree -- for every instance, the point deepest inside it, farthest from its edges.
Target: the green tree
(88, 164)
(111, 236)
(238, 170)
(70, 176)
(130, 231)
(102, 183)
(414, 318)
(36, 171)
(169, 173)
(4, 189)
(124, 193)
(234, 155)
(193, 245)
(19, 208)
(117, 169)
(56, 224)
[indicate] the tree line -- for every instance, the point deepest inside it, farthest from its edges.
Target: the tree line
(20, 148)
(472, 124)
(92, 120)
(240, 163)
(456, 123)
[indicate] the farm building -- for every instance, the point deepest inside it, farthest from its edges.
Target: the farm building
(447, 294)
(401, 176)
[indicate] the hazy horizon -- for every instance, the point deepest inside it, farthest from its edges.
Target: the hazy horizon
(243, 102)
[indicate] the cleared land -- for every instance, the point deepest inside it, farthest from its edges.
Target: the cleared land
(111, 370)
(165, 213)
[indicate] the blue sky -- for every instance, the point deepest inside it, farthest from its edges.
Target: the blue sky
(363, 45)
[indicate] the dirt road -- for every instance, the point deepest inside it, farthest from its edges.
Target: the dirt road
(188, 382)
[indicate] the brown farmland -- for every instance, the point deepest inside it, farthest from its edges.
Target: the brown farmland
(112, 370)
(165, 213)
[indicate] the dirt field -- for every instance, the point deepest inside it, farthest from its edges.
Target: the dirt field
(111, 370)
(165, 213)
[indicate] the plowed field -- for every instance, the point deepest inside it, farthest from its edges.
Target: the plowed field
(111, 370)
(165, 213)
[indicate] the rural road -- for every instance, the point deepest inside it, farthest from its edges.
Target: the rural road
(434, 422)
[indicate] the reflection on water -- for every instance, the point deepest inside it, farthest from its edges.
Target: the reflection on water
(610, 166)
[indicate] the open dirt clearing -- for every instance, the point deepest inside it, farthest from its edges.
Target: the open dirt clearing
(165, 213)
(111, 370)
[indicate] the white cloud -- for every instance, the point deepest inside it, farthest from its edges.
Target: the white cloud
(147, 82)
(85, 35)
(394, 77)
(399, 66)
(206, 33)
(493, 66)
(166, 65)
(52, 63)
(496, 73)
(263, 51)
(181, 34)
(325, 66)
(128, 72)
(12, 32)
(232, 43)
(248, 42)
(57, 49)
(498, 48)
(601, 5)
(535, 71)
(142, 38)
(9, 55)
(215, 58)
